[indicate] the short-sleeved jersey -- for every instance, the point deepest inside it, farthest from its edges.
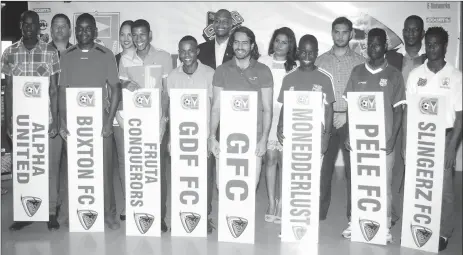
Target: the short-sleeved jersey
(386, 79)
(446, 82)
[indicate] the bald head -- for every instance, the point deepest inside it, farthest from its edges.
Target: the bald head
(222, 23)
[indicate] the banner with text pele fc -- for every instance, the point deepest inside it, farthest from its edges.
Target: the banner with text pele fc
(424, 172)
(142, 162)
(188, 132)
(237, 166)
(368, 167)
(30, 122)
(85, 159)
(301, 167)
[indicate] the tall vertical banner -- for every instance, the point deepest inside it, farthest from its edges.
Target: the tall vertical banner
(85, 159)
(368, 164)
(30, 122)
(301, 163)
(188, 132)
(142, 162)
(237, 166)
(424, 172)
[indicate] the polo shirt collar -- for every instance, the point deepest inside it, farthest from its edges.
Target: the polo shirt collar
(375, 71)
(94, 46)
(252, 62)
(199, 69)
(447, 66)
(36, 47)
(54, 45)
(349, 51)
(150, 52)
(402, 51)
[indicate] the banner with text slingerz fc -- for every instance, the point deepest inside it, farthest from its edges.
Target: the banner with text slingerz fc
(30, 122)
(188, 125)
(142, 162)
(301, 167)
(368, 167)
(424, 172)
(85, 159)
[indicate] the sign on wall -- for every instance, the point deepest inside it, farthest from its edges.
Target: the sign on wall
(85, 159)
(424, 172)
(30, 122)
(301, 162)
(368, 164)
(188, 132)
(237, 166)
(142, 162)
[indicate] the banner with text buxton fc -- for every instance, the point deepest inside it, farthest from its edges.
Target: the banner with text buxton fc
(167, 28)
(30, 148)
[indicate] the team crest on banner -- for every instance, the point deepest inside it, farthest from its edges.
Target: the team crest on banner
(142, 162)
(85, 159)
(368, 180)
(30, 148)
(189, 132)
(237, 164)
(302, 163)
(424, 165)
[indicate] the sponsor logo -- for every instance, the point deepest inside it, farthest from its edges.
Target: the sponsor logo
(428, 105)
(383, 82)
(86, 99)
(31, 205)
(236, 225)
(303, 99)
(438, 20)
(422, 82)
(367, 103)
(438, 6)
(317, 88)
(43, 24)
(42, 10)
(190, 101)
(445, 83)
(421, 235)
(32, 89)
(369, 229)
(240, 103)
(143, 221)
(87, 218)
(362, 82)
(189, 220)
(142, 99)
(299, 232)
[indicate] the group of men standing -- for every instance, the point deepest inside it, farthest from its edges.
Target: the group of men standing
(230, 62)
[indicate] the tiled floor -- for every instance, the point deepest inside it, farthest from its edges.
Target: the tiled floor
(37, 240)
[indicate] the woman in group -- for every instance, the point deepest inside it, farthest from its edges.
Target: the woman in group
(128, 51)
(281, 60)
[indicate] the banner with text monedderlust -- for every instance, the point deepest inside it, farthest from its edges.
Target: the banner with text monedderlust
(142, 162)
(85, 159)
(301, 167)
(368, 164)
(188, 132)
(237, 166)
(30, 122)
(424, 172)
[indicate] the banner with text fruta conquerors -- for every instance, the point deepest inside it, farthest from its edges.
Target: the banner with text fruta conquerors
(30, 122)
(368, 164)
(188, 142)
(142, 162)
(85, 159)
(301, 164)
(424, 172)
(237, 166)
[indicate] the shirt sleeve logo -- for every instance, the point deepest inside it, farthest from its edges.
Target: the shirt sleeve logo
(421, 82)
(383, 82)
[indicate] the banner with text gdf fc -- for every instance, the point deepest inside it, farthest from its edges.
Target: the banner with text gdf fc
(30, 122)
(142, 162)
(368, 164)
(237, 166)
(424, 172)
(85, 159)
(301, 167)
(188, 132)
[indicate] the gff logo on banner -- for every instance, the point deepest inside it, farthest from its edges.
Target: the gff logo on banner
(428, 106)
(189, 220)
(190, 101)
(240, 103)
(369, 229)
(87, 218)
(143, 221)
(31, 205)
(32, 89)
(142, 99)
(420, 235)
(303, 99)
(367, 103)
(86, 99)
(236, 225)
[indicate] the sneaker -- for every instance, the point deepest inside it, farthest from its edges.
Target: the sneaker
(18, 225)
(443, 241)
(347, 232)
(210, 226)
(53, 223)
(112, 223)
(164, 227)
(389, 238)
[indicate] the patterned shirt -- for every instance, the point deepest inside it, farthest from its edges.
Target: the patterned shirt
(340, 68)
(40, 61)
